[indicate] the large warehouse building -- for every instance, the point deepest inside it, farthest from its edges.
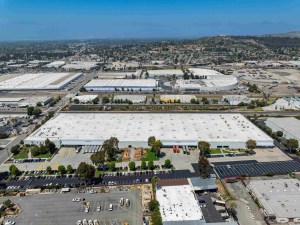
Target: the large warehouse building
(289, 126)
(164, 73)
(37, 81)
(279, 199)
(121, 85)
(220, 130)
(208, 84)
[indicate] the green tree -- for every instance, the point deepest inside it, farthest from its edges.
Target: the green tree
(37, 111)
(204, 167)
(151, 140)
(105, 99)
(35, 151)
(96, 100)
(251, 144)
(49, 169)
(156, 147)
(62, 169)
(292, 144)
(39, 104)
(14, 170)
(110, 147)
(143, 165)
(8, 203)
(85, 171)
(98, 158)
(279, 133)
(15, 149)
(204, 148)
(153, 204)
(50, 146)
(112, 166)
(82, 89)
(151, 165)
(30, 110)
(76, 101)
(70, 169)
(168, 163)
(131, 165)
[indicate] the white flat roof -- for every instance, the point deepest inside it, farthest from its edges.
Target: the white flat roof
(288, 124)
(279, 197)
(165, 72)
(38, 81)
(133, 98)
(11, 99)
(211, 82)
(138, 127)
(178, 203)
(204, 72)
(77, 65)
(85, 98)
(56, 64)
(126, 83)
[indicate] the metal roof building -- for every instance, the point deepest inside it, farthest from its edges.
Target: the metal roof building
(289, 126)
(279, 199)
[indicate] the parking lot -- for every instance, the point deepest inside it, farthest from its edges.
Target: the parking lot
(59, 209)
(253, 168)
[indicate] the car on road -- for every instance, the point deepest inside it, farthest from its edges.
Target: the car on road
(79, 222)
(98, 208)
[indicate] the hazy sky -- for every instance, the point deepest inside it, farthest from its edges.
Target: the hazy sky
(78, 19)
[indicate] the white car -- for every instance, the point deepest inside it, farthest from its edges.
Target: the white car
(79, 222)
(87, 209)
(98, 208)
(96, 222)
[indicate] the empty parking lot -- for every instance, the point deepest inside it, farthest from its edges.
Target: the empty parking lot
(50, 209)
(256, 168)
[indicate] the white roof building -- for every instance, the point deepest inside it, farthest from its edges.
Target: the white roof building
(133, 98)
(181, 98)
(237, 99)
(279, 199)
(85, 98)
(178, 203)
(56, 64)
(38, 81)
(211, 83)
(220, 130)
(164, 73)
(81, 65)
(289, 126)
(112, 84)
(204, 72)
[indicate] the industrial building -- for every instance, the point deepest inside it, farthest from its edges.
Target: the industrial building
(24, 102)
(204, 72)
(279, 199)
(177, 201)
(289, 126)
(81, 65)
(220, 130)
(121, 85)
(164, 73)
(37, 81)
(201, 185)
(136, 99)
(208, 84)
(55, 64)
(237, 99)
(85, 98)
(34, 100)
(177, 98)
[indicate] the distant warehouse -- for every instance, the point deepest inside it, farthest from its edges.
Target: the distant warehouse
(37, 81)
(220, 130)
(289, 126)
(164, 73)
(122, 85)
